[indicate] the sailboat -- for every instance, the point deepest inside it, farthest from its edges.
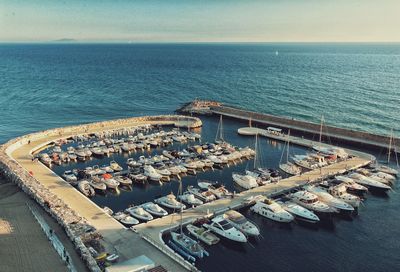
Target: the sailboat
(384, 168)
(289, 167)
(183, 243)
(219, 137)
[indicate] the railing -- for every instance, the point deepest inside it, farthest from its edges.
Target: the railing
(56, 243)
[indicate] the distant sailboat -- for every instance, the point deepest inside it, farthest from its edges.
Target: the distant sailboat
(288, 167)
(219, 137)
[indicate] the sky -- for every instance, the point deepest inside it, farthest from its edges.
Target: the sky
(200, 21)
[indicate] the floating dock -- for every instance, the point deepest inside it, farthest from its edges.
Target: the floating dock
(297, 127)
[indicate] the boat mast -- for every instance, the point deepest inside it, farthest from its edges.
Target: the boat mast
(320, 129)
(287, 153)
(255, 150)
(250, 121)
(219, 136)
(390, 145)
(180, 191)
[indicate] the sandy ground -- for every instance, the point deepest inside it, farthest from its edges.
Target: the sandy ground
(23, 244)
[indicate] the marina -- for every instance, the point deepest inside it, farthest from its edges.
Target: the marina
(148, 220)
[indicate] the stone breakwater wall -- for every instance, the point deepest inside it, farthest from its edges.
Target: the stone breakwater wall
(74, 225)
(341, 134)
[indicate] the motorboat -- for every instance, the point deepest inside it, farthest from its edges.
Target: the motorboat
(45, 159)
(170, 201)
(245, 181)
(242, 223)
(97, 184)
(132, 163)
(72, 156)
(205, 196)
(115, 166)
(97, 151)
(154, 209)
(168, 154)
(111, 183)
(366, 181)
(125, 218)
(108, 210)
(221, 226)
(351, 185)
(299, 212)
(165, 173)
(189, 245)
(190, 199)
(385, 169)
(151, 173)
(272, 210)
(290, 168)
(205, 184)
(310, 202)
(332, 201)
(107, 168)
(204, 235)
(340, 192)
(139, 178)
(98, 171)
(379, 176)
(219, 191)
(123, 180)
(69, 176)
(140, 213)
(85, 188)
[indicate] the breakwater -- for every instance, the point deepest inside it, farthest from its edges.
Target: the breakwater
(308, 129)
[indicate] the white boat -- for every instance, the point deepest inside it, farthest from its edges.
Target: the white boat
(299, 212)
(97, 151)
(97, 184)
(219, 191)
(125, 218)
(140, 213)
(111, 183)
(340, 192)
(69, 176)
(310, 201)
(205, 196)
(245, 181)
(115, 166)
(189, 245)
(290, 168)
(167, 154)
(203, 234)
(351, 185)
(139, 178)
(132, 163)
(386, 176)
(170, 201)
(190, 199)
(108, 210)
(151, 173)
(221, 226)
(123, 180)
(366, 181)
(242, 223)
(385, 169)
(324, 196)
(272, 210)
(85, 188)
(154, 209)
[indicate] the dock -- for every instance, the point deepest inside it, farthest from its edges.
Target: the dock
(297, 127)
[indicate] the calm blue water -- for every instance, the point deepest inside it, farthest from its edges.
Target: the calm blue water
(50, 85)
(355, 86)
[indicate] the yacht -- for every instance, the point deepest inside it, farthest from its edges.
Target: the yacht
(366, 181)
(290, 168)
(123, 180)
(154, 209)
(385, 169)
(219, 191)
(111, 183)
(310, 201)
(299, 212)
(132, 163)
(170, 201)
(151, 173)
(340, 192)
(241, 223)
(324, 196)
(205, 196)
(97, 184)
(140, 213)
(272, 210)
(125, 218)
(70, 177)
(189, 245)
(203, 234)
(245, 181)
(85, 188)
(139, 178)
(222, 227)
(351, 185)
(190, 199)
(115, 166)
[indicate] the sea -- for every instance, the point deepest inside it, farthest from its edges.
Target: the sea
(352, 85)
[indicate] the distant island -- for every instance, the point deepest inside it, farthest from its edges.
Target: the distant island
(65, 40)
